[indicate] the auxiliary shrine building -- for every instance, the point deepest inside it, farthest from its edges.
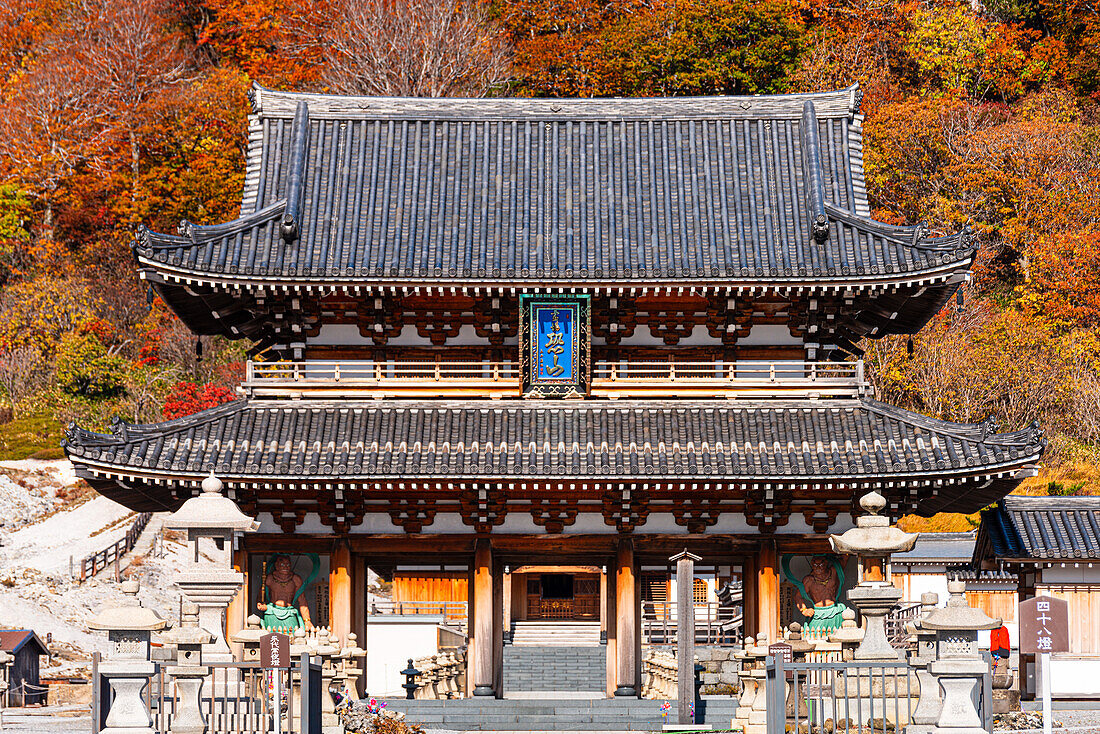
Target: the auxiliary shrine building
(517, 353)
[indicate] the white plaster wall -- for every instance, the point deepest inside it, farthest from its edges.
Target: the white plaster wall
(337, 335)
(391, 641)
(768, 335)
(1075, 678)
(1083, 573)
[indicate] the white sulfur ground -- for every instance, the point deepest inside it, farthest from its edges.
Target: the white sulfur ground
(39, 533)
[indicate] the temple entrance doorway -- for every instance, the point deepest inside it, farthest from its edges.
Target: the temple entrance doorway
(562, 596)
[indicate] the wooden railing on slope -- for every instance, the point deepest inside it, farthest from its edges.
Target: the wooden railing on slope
(92, 564)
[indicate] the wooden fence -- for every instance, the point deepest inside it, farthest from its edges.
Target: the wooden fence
(112, 554)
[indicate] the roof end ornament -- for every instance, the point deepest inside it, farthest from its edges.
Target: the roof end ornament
(291, 224)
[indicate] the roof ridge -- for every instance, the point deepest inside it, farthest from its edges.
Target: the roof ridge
(267, 102)
(980, 432)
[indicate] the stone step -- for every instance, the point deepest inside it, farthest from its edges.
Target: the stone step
(565, 633)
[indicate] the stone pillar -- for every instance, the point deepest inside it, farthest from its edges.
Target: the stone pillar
(482, 657)
(626, 622)
(339, 590)
(927, 709)
(188, 672)
(767, 591)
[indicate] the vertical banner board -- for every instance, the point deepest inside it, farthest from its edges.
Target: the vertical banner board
(275, 650)
(555, 345)
(1044, 625)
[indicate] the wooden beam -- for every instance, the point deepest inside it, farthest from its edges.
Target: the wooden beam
(626, 623)
(482, 657)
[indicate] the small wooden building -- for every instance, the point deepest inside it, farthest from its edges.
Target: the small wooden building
(1052, 544)
(24, 683)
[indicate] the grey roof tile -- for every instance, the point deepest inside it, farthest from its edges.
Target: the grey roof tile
(667, 440)
(661, 190)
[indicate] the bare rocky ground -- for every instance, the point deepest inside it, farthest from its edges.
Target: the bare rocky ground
(48, 519)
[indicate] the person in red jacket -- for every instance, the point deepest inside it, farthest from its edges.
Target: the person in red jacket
(999, 644)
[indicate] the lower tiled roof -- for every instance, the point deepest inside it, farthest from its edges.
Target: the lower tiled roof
(1024, 528)
(829, 441)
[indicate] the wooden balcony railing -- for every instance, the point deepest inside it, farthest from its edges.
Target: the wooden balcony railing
(621, 379)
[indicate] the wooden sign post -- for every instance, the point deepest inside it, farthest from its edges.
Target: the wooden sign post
(685, 635)
(1044, 628)
(275, 656)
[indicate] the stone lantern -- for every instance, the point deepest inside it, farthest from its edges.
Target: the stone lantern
(188, 671)
(128, 667)
(958, 666)
(211, 586)
(874, 540)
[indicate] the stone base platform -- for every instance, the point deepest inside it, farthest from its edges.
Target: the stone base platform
(471, 714)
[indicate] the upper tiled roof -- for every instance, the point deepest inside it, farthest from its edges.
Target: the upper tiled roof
(775, 441)
(1026, 528)
(347, 190)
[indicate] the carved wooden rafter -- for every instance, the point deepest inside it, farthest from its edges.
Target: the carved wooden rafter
(625, 509)
(618, 312)
(412, 515)
(554, 515)
(341, 511)
(697, 514)
(286, 517)
(496, 319)
(821, 517)
(482, 508)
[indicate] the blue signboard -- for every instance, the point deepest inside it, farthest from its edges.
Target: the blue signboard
(555, 345)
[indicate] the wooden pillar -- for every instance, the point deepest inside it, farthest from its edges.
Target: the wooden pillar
(339, 590)
(359, 613)
(748, 596)
(1025, 589)
(626, 620)
(767, 590)
(498, 629)
(238, 610)
(607, 609)
(506, 584)
(482, 643)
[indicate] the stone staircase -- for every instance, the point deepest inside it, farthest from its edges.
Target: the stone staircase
(559, 714)
(555, 668)
(547, 634)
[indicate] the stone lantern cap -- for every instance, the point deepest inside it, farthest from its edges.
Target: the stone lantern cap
(873, 536)
(957, 615)
(252, 632)
(794, 639)
(211, 510)
(188, 632)
(848, 631)
(129, 616)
